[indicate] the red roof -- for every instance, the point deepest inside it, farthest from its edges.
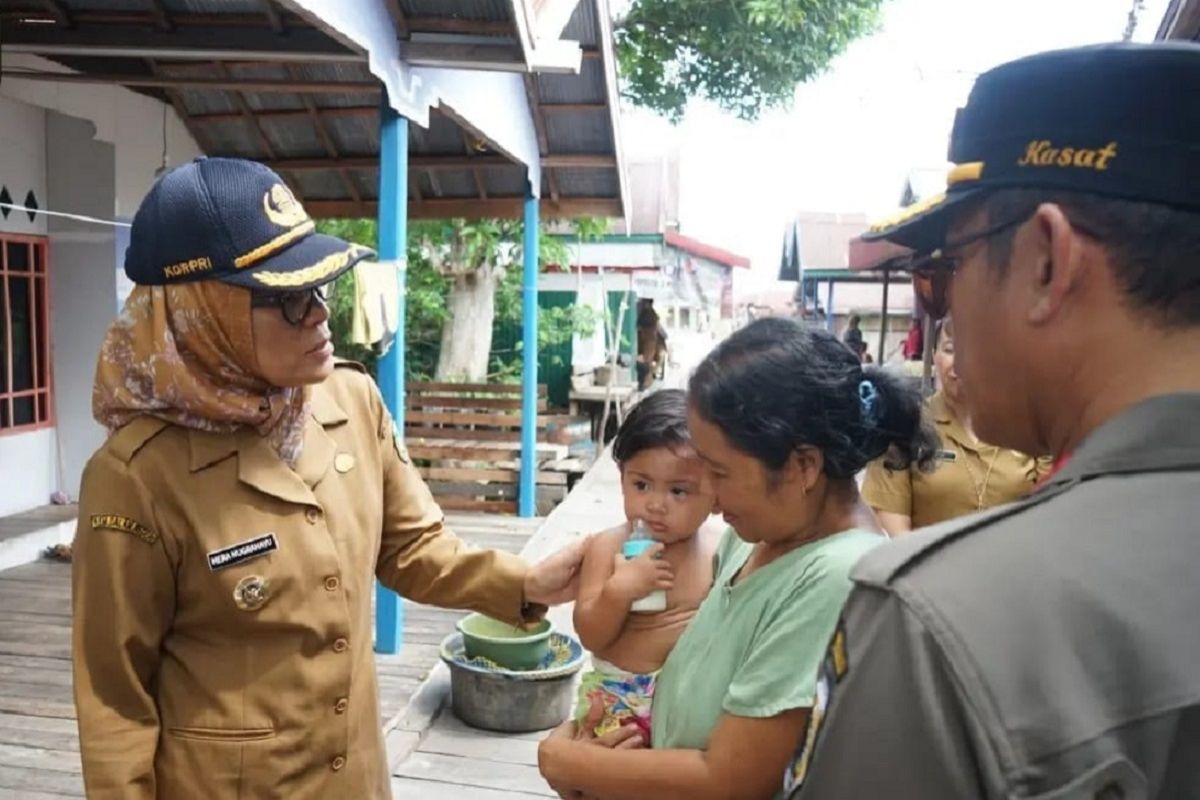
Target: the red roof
(702, 250)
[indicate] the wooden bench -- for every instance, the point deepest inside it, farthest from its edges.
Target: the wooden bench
(466, 440)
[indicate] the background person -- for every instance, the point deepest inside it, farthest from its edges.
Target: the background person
(968, 475)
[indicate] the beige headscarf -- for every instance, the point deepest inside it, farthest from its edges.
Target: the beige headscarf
(185, 354)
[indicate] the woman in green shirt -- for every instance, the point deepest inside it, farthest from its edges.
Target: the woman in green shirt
(785, 416)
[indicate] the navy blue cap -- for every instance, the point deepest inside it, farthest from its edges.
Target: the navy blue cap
(1116, 120)
(231, 220)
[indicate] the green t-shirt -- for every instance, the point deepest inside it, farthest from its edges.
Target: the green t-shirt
(753, 648)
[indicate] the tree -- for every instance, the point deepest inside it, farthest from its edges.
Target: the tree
(745, 55)
(476, 258)
(445, 261)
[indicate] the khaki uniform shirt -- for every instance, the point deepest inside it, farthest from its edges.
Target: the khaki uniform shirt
(222, 603)
(968, 476)
(1047, 649)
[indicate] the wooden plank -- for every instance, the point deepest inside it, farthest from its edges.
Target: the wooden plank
(469, 402)
(48, 740)
(489, 475)
(412, 432)
(493, 491)
(39, 758)
(24, 781)
(467, 504)
(452, 737)
(459, 388)
(415, 789)
(471, 772)
(478, 451)
(512, 420)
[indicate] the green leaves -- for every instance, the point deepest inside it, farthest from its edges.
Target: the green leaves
(437, 249)
(745, 55)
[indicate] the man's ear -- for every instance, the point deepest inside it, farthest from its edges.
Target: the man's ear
(1056, 263)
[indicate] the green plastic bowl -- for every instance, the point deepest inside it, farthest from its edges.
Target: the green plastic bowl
(510, 647)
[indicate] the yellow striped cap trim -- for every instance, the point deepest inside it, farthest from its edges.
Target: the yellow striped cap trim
(275, 245)
(322, 269)
(963, 173)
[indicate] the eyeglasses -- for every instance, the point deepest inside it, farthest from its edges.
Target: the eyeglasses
(933, 272)
(295, 306)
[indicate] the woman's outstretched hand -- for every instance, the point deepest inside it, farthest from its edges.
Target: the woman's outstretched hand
(554, 749)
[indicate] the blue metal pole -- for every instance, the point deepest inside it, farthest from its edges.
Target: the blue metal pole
(829, 308)
(393, 240)
(527, 506)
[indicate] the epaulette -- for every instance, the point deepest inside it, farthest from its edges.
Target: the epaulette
(345, 363)
(129, 439)
(883, 565)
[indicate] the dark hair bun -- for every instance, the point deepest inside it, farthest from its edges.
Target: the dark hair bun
(777, 385)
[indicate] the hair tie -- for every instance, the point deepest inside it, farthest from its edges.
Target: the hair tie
(872, 402)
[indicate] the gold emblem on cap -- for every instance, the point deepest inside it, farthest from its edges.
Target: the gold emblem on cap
(282, 208)
(344, 462)
(252, 592)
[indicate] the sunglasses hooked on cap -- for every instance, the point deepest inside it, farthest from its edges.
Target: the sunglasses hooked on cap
(235, 221)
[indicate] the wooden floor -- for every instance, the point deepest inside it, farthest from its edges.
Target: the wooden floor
(39, 748)
(455, 762)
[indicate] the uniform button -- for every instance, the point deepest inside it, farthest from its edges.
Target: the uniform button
(341, 705)
(340, 645)
(312, 515)
(337, 763)
(332, 583)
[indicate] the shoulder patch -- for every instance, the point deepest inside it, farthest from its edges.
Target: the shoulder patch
(129, 439)
(885, 563)
(344, 363)
(116, 522)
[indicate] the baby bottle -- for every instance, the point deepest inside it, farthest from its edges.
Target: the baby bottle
(637, 543)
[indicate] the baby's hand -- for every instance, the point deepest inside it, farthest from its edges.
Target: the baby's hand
(635, 578)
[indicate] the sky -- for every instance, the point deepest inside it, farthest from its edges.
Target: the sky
(853, 134)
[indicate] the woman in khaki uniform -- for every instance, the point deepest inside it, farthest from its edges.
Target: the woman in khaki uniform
(234, 523)
(969, 475)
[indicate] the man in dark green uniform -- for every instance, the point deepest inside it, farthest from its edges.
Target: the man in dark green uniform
(1049, 648)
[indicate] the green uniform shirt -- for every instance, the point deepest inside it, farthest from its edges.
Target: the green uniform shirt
(753, 648)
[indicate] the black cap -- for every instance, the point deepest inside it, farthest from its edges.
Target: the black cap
(231, 220)
(1118, 120)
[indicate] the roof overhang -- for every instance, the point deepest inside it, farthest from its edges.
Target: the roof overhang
(299, 86)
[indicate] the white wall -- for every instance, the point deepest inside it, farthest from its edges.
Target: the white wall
(97, 156)
(131, 122)
(26, 459)
(80, 171)
(22, 163)
(27, 470)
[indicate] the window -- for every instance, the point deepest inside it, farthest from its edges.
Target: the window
(24, 335)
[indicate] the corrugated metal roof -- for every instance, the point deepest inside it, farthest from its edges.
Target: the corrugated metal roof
(210, 6)
(281, 117)
(477, 10)
(104, 5)
(587, 182)
(571, 134)
(582, 25)
(586, 87)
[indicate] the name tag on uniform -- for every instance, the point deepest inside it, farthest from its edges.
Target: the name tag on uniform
(947, 455)
(242, 551)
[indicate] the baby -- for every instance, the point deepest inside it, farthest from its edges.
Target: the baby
(666, 489)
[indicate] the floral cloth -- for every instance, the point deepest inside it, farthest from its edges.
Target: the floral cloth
(185, 354)
(625, 696)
